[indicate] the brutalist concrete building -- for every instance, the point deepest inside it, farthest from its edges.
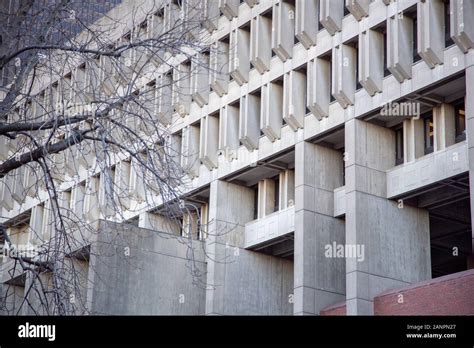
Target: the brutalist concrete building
(332, 165)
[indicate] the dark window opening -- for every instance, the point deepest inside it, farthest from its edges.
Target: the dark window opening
(416, 56)
(386, 71)
(428, 133)
(276, 203)
(399, 154)
(448, 41)
(255, 201)
(460, 120)
(346, 11)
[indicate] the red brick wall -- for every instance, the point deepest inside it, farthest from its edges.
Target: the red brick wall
(336, 309)
(449, 295)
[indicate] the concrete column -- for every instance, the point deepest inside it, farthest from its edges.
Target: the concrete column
(319, 281)
(266, 197)
(283, 38)
(181, 93)
(209, 141)
(261, 43)
(190, 150)
(241, 281)
(413, 140)
(444, 126)
(287, 189)
(164, 100)
(306, 30)
(294, 99)
(230, 8)
(272, 110)
(371, 53)
(249, 126)
(318, 93)
(200, 78)
(330, 15)
(470, 140)
(399, 46)
(344, 60)
(393, 241)
(219, 64)
(229, 130)
(239, 53)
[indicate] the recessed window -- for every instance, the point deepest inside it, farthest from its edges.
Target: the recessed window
(416, 56)
(255, 201)
(399, 155)
(276, 202)
(428, 133)
(448, 41)
(460, 120)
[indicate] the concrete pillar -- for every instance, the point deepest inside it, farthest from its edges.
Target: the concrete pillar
(241, 281)
(294, 99)
(393, 240)
(330, 15)
(344, 60)
(249, 127)
(230, 8)
(266, 197)
(470, 140)
(371, 53)
(318, 93)
(283, 38)
(211, 15)
(182, 89)
(219, 65)
(239, 53)
(121, 182)
(230, 207)
(272, 110)
(430, 31)
(200, 78)
(413, 140)
(318, 171)
(261, 43)
(306, 30)
(462, 25)
(358, 8)
(209, 141)
(287, 189)
(229, 130)
(164, 98)
(399, 46)
(444, 127)
(190, 150)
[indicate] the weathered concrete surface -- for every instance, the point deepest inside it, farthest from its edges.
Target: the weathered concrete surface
(396, 240)
(140, 271)
(241, 281)
(318, 173)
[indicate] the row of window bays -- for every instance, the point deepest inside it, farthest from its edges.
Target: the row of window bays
(361, 62)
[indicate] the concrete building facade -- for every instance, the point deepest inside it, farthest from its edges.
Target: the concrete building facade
(336, 152)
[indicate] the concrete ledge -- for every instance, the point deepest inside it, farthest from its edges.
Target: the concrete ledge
(270, 227)
(427, 170)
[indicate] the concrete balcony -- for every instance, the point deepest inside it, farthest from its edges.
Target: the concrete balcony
(340, 201)
(427, 170)
(270, 229)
